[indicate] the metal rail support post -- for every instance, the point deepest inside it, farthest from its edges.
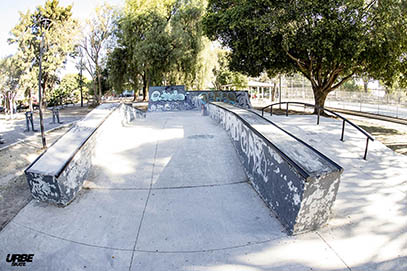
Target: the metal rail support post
(55, 115)
(29, 120)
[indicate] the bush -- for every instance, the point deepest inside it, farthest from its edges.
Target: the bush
(351, 85)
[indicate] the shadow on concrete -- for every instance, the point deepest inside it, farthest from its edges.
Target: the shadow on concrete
(369, 224)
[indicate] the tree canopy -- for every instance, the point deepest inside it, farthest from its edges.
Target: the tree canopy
(95, 44)
(158, 42)
(10, 80)
(67, 90)
(223, 76)
(328, 41)
(51, 28)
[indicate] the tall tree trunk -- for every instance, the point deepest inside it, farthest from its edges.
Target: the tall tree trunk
(145, 86)
(135, 94)
(320, 97)
(95, 91)
(30, 100)
(7, 103)
(100, 88)
(44, 87)
(273, 92)
(11, 105)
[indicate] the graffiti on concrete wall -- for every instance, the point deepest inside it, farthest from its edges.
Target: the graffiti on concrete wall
(264, 167)
(167, 98)
(301, 203)
(237, 98)
(175, 98)
(157, 96)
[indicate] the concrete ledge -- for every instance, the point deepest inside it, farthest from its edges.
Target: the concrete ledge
(57, 175)
(296, 181)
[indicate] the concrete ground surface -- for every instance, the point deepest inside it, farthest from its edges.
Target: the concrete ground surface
(169, 193)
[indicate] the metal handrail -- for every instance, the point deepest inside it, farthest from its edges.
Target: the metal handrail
(319, 108)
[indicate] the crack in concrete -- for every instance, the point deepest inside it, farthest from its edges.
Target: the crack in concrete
(148, 197)
(248, 244)
(164, 188)
(333, 250)
(68, 240)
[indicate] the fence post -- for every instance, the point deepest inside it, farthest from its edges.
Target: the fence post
(286, 110)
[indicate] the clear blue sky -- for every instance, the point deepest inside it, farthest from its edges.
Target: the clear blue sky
(9, 15)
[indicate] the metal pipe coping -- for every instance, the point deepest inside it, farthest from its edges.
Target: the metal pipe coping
(319, 108)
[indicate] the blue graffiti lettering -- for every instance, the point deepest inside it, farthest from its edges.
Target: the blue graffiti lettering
(166, 96)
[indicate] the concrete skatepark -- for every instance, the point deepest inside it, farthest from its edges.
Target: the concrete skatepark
(169, 192)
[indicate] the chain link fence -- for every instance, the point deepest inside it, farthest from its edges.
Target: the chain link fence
(375, 101)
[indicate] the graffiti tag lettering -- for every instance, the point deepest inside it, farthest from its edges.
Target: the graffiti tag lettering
(167, 96)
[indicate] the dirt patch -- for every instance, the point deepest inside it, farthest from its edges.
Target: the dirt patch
(17, 157)
(277, 111)
(14, 190)
(75, 110)
(141, 106)
(392, 138)
(13, 197)
(64, 112)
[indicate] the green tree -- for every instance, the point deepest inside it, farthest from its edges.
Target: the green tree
(95, 44)
(80, 65)
(158, 42)
(328, 41)
(224, 76)
(10, 78)
(350, 85)
(68, 90)
(51, 28)
(105, 83)
(119, 77)
(25, 57)
(206, 62)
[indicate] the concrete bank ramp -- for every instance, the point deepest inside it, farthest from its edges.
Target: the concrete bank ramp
(167, 193)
